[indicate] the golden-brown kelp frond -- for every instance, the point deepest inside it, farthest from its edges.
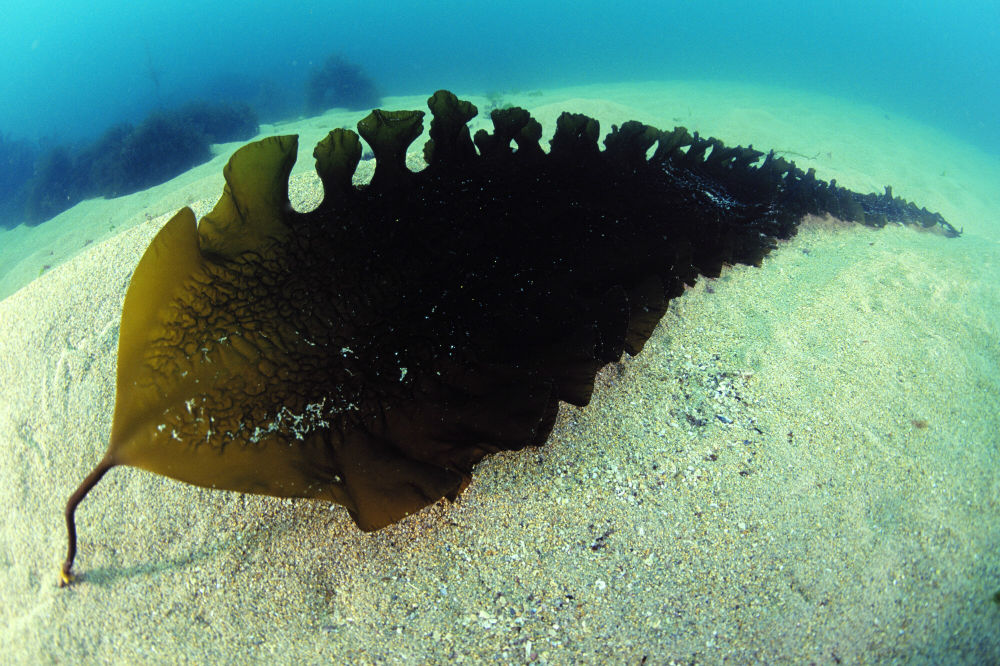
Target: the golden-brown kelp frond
(372, 351)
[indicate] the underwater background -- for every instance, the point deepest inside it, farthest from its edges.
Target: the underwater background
(93, 91)
(72, 69)
(843, 510)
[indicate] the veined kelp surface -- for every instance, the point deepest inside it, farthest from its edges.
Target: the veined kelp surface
(372, 351)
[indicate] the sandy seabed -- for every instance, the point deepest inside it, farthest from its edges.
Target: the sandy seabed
(802, 465)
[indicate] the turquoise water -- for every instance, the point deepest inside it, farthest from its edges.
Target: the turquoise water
(72, 69)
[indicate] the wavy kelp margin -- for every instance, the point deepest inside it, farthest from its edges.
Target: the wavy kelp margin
(372, 351)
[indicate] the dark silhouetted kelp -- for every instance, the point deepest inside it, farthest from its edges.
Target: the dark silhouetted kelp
(372, 351)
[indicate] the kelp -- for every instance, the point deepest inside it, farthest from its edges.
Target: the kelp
(372, 351)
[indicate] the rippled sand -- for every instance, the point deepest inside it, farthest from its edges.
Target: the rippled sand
(801, 465)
